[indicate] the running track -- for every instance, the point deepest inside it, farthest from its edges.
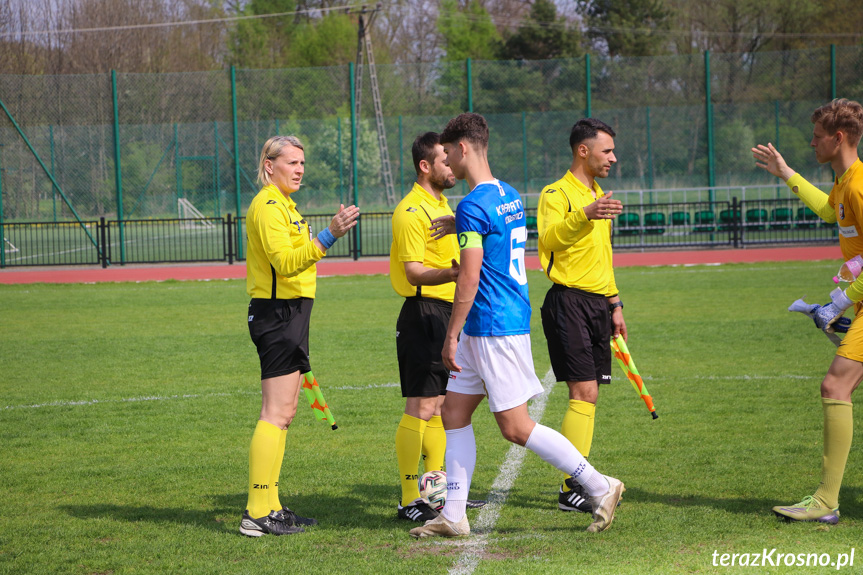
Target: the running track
(369, 266)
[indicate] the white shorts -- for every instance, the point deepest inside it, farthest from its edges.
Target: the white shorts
(499, 367)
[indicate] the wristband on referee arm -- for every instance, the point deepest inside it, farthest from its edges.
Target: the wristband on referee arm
(326, 238)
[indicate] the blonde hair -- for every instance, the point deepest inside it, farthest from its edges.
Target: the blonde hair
(272, 149)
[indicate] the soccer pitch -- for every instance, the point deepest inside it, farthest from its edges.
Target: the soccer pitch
(126, 412)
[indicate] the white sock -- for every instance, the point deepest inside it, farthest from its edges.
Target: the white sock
(554, 448)
(460, 463)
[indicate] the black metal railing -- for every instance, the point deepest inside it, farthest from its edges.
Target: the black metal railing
(732, 224)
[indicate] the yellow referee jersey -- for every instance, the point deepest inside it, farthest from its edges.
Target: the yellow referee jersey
(280, 253)
(574, 251)
(412, 242)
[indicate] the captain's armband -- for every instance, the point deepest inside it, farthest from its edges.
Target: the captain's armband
(469, 240)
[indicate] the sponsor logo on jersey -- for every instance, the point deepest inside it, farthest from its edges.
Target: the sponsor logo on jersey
(269, 202)
(841, 211)
(412, 210)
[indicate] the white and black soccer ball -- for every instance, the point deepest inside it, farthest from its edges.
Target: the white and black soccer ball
(433, 489)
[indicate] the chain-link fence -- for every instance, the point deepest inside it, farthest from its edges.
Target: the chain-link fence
(143, 146)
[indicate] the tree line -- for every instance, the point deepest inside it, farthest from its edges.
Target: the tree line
(147, 36)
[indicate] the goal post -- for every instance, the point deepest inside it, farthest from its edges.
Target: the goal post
(192, 216)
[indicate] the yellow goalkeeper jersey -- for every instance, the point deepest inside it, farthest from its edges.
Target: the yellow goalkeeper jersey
(574, 251)
(412, 242)
(846, 198)
(280, 252)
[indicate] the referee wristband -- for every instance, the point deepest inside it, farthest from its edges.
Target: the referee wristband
(326, 238)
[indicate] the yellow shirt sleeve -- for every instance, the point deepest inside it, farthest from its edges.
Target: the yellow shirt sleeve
(409, 232)
(558, 227)
(275, 233)
(815, 199)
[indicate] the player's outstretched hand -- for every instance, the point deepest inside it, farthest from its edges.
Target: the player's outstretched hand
(768, 158)
(442, 226)
(345, 219)
(603, 208)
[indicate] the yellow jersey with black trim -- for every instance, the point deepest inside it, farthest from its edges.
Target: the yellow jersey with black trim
(280, 251)
(574, 251)
(412, 242)
(846, 198)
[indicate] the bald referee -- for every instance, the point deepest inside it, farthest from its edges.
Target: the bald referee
(281, 280)
(423, 269)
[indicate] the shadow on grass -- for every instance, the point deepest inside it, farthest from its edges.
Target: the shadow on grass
(363, 506)
(851, 501)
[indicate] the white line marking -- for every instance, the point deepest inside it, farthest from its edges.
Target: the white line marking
(475, 545)
(171, 397)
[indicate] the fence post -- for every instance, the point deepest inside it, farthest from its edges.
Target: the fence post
(524, 152)
(118, 174)
(736, 222)
(237, 183)
(341, 161)
(708, 111)
(587, 89)
(354, 163)
(103, 252)
(2, 233)
(230, 241)
(649, 155)
(53, 189)
(832, 71)
(469, 73)
(218, 169)
(401, 157)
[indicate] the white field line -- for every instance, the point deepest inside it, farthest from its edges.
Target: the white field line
(173, 397)
(473, 548)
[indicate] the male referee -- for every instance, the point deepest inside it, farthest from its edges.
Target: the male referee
(423, 268)
(582, 310)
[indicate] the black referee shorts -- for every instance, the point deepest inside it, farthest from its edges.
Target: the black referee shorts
(280, 330)
(577, 327)
(420, 332)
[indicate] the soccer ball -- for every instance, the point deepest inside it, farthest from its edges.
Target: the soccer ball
(433, 489)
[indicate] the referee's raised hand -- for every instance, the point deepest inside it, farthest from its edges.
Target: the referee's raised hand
(344, 220)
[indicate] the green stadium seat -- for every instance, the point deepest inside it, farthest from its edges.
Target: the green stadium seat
(654, 223)
(628, 224)
(680, 218)
(806, 218)
(781, 218)
(727, 219)
(756, 218)
(532, 231)
(704, 220)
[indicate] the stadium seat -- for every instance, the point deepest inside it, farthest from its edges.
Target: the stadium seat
(680, 218)
(806, 218)
(727, 219)
(654, 223)
(532, 231)
(756, 218)
(704, 221)
(628, 224)
(781, 218)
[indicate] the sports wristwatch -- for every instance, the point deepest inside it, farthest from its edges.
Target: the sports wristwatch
(611, 306)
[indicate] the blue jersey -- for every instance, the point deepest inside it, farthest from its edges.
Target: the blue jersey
(502, 306)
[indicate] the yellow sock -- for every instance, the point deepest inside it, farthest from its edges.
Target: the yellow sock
(273, 490)
(578, 426)
(434, 444)
(262, 455)
(409, 441)
(838, 430)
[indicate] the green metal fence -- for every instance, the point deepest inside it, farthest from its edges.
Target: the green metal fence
(129, 146)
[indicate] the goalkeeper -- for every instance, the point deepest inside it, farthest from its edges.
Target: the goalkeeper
(837, 132)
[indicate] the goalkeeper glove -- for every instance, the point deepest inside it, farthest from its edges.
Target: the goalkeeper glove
(828, 314)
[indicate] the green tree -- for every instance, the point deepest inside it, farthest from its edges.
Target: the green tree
(542, 36)
(262, 42)
(467, 30)
(628, 27)
(330, 41)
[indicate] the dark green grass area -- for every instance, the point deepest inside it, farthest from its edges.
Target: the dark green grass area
(126, 412)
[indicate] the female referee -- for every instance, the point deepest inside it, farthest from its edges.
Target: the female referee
(281, 280)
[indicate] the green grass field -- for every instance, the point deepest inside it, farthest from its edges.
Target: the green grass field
(126, 412)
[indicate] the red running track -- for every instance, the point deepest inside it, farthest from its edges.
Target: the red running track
(370, 266)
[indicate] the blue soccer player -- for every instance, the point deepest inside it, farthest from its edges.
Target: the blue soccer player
(492, 356)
